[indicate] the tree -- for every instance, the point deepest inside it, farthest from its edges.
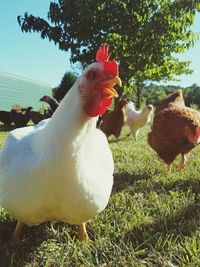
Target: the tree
(142, 34)
(66, 83)
(192, 95)
(154, 94)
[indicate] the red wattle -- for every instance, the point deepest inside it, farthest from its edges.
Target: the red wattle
(104, 105)
(97, 107)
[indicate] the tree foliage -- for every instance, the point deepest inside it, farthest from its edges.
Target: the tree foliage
(192, 95)
(154, 93)
(66, 83)
(143, 35)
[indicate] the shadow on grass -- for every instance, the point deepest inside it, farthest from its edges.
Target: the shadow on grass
(124, 180)
(182, 223)
(184, 185)
(32, 238)
(178, 185)
(12, 254)
(179, 224)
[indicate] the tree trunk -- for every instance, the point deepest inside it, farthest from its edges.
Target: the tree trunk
(138, 97)
(120, 92)
(139, 87)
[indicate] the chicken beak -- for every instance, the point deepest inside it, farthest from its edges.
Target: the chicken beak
(109, 84)
(115, 80)
(110, 92)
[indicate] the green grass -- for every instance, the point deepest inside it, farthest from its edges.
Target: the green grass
(152, 219)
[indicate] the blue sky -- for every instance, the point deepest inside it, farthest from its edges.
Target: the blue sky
(30, 56)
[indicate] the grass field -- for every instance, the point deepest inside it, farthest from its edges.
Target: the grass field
(152, 219)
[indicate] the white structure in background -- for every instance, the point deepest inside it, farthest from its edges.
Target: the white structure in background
(16, 90)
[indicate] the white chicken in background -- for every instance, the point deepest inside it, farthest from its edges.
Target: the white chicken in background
(136, 119)
(62, 168)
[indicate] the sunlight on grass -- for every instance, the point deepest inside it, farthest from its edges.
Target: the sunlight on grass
(152, 218)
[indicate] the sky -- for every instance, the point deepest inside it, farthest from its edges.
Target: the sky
(27, 55)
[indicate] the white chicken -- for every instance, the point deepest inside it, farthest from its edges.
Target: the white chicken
(62, 168)
(136, 119)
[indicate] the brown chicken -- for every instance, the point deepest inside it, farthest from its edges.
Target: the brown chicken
(175, 129)
(6, 117)
(36, 116)
(21, 119)
(53, 103)
(113, 120)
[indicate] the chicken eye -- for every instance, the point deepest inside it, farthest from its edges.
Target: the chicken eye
(92, 75)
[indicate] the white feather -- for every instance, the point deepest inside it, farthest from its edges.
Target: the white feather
(61, 169)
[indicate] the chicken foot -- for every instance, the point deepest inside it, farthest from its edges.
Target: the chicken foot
(18, 231)
(182, 162)
(82, 233)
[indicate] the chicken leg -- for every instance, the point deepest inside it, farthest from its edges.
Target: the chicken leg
(82, 233)
(135, 135)
(182, 162)
(169, 168)
(18, 231)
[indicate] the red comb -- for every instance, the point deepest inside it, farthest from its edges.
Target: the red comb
(102, 53)
(103, 56)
